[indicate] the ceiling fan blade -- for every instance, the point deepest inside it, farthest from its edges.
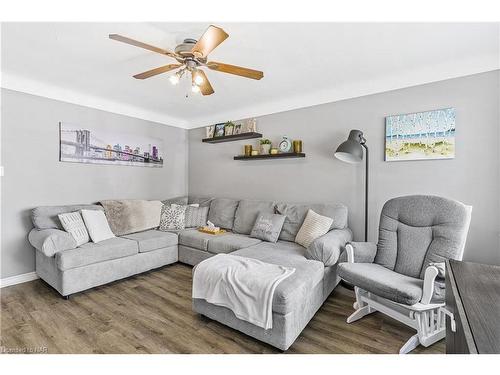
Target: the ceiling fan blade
(236, 70)
(205, 87)
(156, 71)
(136, 43)
(210, 39)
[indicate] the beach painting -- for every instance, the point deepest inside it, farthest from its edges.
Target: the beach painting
(95, 145)
(420, 136)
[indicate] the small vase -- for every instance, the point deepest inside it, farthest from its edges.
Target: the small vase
(264, 149)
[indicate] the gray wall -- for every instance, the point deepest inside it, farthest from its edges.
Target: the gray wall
(35, 177)
(472, 177)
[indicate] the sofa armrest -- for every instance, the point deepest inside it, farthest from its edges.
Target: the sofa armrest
(361, 252)
(51, 241)
(327, 248)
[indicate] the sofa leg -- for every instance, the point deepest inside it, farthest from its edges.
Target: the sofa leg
(359, 313)
(66, 297)
(411, 344)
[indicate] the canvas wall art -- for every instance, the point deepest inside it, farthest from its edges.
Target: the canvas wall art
(420, 136)
(93, 145)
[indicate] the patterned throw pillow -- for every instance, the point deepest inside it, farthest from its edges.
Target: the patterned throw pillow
(267, 227)
(196, 216)
(172, 217)
(73, 224)
(314, 226)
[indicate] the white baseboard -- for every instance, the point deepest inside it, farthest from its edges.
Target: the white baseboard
(18, 279)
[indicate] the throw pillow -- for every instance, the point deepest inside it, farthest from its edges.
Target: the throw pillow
(196, 216)
(97, 225)
(267, 227)
(73, 224)
(172, 217)
(314, 226)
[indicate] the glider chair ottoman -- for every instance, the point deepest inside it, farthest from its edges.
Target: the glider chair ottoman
(403, 275)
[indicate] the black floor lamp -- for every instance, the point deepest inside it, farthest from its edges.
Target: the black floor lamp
(351, 151)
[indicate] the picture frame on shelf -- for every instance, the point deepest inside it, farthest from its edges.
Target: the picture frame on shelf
(210, 130)
(237, 129)
(219, 130)
(229, 128)
(251, 125)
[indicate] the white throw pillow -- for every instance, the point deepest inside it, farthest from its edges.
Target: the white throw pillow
(97, 225)
(72, 223)
(314, 226)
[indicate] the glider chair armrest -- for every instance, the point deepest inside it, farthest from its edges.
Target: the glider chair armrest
(430, 275)
(361, 252)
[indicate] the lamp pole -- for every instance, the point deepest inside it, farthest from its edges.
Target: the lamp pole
(351, 151)
(363, 143)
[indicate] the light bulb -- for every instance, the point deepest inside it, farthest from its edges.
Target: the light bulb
(174, 80)
(195, 88)
(198, 79)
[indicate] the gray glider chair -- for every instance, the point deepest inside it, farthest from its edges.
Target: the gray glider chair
(403, 275)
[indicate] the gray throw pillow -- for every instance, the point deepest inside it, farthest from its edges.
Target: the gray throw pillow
(267, 227)
(172, 217)
(196, 216)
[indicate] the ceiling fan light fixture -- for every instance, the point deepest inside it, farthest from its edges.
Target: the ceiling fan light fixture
(174, 79)
(190, 56)
(198, 79)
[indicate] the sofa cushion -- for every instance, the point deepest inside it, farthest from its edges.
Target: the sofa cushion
(89, 253)
(195, 239)
(45, 217)
(293, 290)
(153, 240)
(230, 242)
(182, 201)
(222, 212)
(247, 212)
(383, 282)
(200, 201)
(296, 213)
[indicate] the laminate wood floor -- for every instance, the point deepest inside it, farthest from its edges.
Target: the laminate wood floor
(151, 313)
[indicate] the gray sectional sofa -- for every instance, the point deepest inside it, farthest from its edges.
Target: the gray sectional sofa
(70, 269)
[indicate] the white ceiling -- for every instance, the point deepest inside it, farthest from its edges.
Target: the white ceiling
(304, 64)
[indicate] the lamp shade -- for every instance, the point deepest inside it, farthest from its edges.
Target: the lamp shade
(351, 150)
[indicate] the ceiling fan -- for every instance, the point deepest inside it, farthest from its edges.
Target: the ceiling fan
(191, 56)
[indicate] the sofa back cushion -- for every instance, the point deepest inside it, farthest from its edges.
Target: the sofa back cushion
(222, 212)
(296, 213)
(417, 230)
(45, 217)
(200, 201)
(181, 201)
(247, 212)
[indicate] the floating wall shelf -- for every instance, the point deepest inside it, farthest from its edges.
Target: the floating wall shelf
(284, 155)
(231, 138)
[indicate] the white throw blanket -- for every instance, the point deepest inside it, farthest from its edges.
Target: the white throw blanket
(244, 285)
